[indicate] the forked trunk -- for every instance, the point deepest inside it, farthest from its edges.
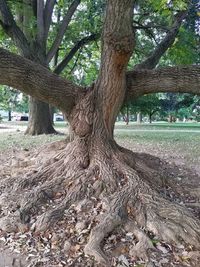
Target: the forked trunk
(92, 169)
(40, 121)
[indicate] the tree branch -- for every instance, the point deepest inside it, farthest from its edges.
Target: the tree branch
(62, 29)
(40, 23)
(182, 79)
(73, 51)
(152, 61)
(34, 7)
(148, 26)
(12, 30)
(48, 11)
(37, 81)
(75, 63)
(154, 57)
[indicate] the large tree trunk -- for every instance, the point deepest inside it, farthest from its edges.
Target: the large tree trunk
(93, 169)
(40, 121)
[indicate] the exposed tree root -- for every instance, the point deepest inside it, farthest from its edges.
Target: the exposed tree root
(115, 216)
(132, 191)
(50, 217)
(144, 244)
(195, 192)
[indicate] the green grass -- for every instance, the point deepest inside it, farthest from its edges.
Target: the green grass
(158, 139)
(24, 123)
(20, 141)
(160, 126)
(175, 146)
(60, 124)
(155, 136)
(132, 125)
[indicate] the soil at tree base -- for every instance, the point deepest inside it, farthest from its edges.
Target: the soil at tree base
(63, 244)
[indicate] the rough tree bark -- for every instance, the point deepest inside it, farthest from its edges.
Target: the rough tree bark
(39, 115)
(39, 112)
(40, 121)
(93, 164)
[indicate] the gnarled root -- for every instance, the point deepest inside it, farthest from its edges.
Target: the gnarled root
(144, 244)
(114, 217)
(146, 211)
(133, 191)
(173, 222)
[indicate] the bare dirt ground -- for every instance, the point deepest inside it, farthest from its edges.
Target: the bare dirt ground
(177, 159)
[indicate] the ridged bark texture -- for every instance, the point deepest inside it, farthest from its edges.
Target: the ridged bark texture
(40, 121)
(126, 188)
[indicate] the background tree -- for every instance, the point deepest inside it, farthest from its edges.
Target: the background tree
(93, 165)
(40, 39)
(8, 99)
(175, 105)
(147, 105)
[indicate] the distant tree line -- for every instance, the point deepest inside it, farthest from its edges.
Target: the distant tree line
(162, 106)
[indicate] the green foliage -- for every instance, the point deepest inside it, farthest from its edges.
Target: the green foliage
(12, 100)
(23, 104)
(180, 105)
(166, 5)
(186, 47)
(185, 50)
(148, 105)
(8, 98)
(84, 66)
(83, 69)
(154, 18)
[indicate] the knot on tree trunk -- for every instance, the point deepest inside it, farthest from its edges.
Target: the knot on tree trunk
(123, 45)
(81, 117)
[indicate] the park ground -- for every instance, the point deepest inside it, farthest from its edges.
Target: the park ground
(177, 145)
(175, 142)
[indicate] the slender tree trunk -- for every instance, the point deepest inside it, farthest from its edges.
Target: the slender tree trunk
(127, 115)
(150, 117)
(40, 121)
(139, 117)
(9, 115)
(170, 119)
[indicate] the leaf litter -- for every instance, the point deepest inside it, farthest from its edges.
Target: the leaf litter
(63, 245)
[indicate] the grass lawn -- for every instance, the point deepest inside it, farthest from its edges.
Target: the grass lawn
(175, 141)
(24, 123)
(160, 125)
(17, 140)
(132, 125)
(177, 146)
